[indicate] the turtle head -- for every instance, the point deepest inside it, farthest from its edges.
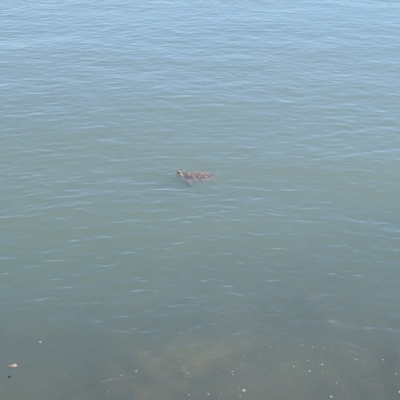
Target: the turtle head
(180, 172)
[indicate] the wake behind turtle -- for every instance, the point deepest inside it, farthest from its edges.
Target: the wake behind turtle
(197, 176)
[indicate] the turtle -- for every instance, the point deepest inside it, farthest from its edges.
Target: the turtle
(197, 176)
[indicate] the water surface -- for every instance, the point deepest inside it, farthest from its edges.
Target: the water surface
(278, 279)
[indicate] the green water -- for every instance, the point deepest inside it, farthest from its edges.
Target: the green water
(277, 280)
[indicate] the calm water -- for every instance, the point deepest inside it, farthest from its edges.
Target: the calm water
(278, 280)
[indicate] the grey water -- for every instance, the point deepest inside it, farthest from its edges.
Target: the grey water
(279, 279)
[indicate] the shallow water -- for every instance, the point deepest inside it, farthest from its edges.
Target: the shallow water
(278, 278)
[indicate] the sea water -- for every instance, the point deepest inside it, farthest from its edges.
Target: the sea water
(279, 279)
